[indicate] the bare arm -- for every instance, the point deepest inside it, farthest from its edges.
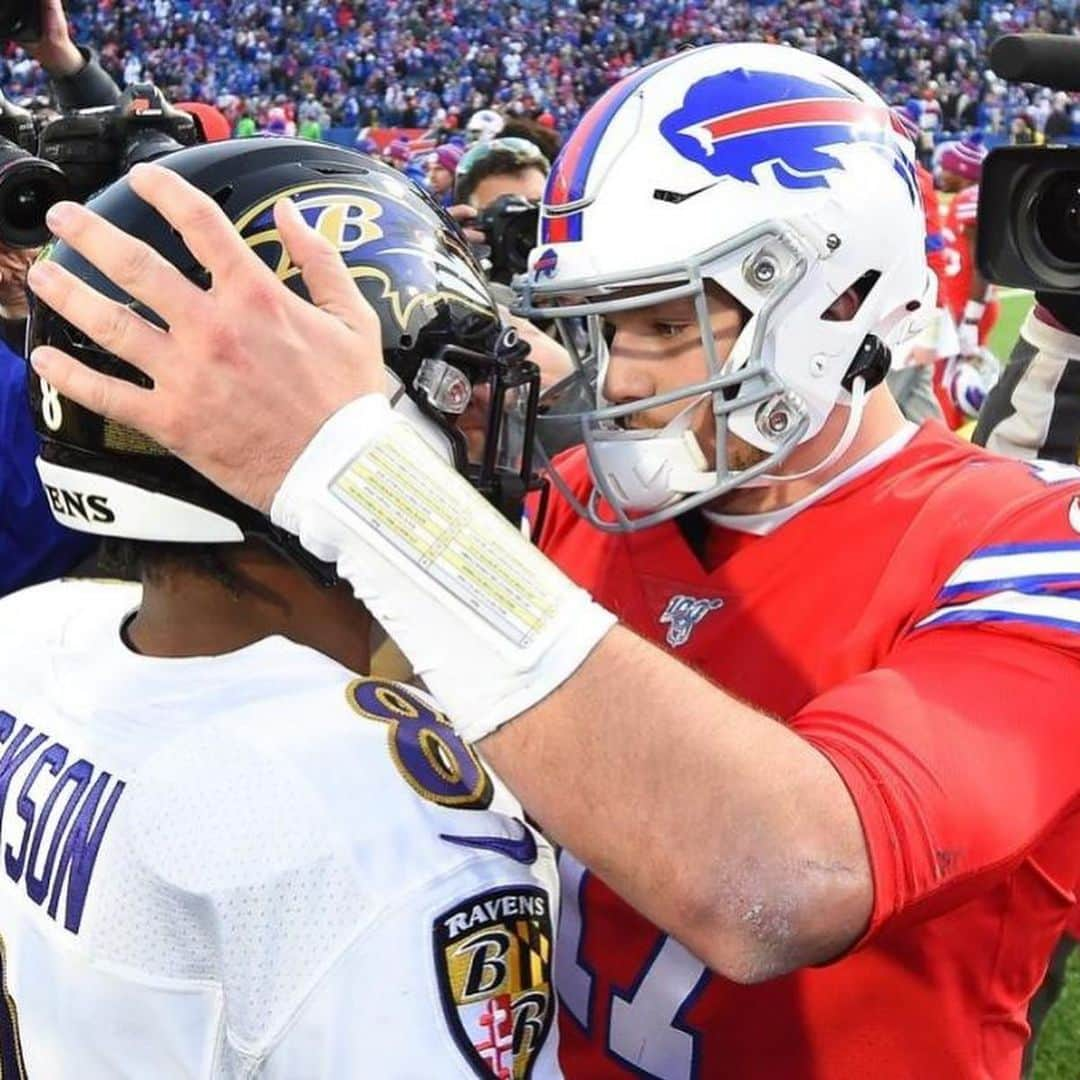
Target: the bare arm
(732, 832)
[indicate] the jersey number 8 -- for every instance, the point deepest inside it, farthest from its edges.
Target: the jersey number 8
(427, 751)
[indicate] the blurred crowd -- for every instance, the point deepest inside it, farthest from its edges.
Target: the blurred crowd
(432, 63)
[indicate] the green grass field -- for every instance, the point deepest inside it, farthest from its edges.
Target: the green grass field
(1058, 1056)
(1015, 304)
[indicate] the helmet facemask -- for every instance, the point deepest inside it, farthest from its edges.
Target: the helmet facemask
(647, 477)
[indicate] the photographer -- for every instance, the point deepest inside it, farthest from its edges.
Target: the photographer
(497, 188)
(33, 547)
(500, 167)
(99, 134)
(1033, 412)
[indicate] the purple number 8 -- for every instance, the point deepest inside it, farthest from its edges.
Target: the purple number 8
(427, 751)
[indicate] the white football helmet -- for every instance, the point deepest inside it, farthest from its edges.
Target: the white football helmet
(780, 177)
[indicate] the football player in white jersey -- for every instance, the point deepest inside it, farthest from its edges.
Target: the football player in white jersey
(228, 851)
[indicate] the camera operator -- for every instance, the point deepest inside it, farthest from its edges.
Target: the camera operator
(1034, 413)
(497, 188)
(99, 134)
(1028, 213)
(500, 167)
(33, 547)
(1034, 410)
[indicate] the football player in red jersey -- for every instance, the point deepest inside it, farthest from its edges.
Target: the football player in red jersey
(826, 776)
(962, 382)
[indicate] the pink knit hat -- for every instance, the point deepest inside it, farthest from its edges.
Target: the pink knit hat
(398, 150)
(448, 156)
(963, 159)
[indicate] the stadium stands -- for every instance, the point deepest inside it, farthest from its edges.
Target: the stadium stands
(431, 63)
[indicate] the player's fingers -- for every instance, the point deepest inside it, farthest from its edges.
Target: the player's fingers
(129, 263)
(102, 394)
(117, 329)
(203, 225)
(329, 283)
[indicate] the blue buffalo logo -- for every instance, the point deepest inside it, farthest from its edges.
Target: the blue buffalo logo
(735, 123)
(545, 265)
(682, 616)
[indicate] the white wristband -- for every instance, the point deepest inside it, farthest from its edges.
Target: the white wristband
(973, 311)
(490, 625)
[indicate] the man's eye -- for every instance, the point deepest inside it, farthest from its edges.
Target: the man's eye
(669, 330)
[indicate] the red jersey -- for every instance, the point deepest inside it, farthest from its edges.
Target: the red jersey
(920, 625)
(960, 218)
(935, 238)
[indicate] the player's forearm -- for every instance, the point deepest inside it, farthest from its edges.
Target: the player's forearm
(718, 823)
(715, 821)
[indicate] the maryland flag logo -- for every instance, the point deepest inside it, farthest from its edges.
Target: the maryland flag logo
(493, 961)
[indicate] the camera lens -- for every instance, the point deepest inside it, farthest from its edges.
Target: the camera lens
(25, 207)
(1056, 213)
(28, 187)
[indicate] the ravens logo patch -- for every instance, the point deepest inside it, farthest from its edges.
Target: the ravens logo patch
(493, 963)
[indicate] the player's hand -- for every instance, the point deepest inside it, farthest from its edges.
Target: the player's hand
(463, 214)
(54, 50)
(544, 351)
(247, 371)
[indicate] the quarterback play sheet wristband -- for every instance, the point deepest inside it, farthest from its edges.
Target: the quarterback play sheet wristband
(490, 625)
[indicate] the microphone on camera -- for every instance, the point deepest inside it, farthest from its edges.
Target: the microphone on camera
(1051, 60)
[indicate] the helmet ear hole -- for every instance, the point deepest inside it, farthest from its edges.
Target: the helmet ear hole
(846, 306)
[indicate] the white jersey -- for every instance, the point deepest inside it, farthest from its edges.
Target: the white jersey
(254, 864)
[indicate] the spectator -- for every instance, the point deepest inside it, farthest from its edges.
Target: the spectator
(1059, 122)
(500, 167)
(397, 62)
(398, 154)
(1023, 131)
(442, 164)
(245, 127)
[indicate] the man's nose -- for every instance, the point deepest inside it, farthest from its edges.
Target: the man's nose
(627, 378)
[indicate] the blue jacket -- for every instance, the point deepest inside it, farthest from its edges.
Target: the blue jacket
(33, 547)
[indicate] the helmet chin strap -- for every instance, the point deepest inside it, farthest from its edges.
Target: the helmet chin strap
(847, 437)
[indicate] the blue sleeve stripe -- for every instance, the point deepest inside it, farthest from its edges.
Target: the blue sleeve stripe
(1034, 584)
(1050, 609)
(1037, 547)
(963, 615)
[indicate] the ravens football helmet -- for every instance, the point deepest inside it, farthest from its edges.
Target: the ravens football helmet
(446, 350)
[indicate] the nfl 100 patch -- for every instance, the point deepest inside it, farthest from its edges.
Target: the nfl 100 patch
(493, 956)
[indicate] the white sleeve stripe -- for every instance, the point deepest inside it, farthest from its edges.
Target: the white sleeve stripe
(1060, 562)
(1060, 610)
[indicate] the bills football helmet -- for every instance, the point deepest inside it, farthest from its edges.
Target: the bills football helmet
(780, 178)
(444, 345)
